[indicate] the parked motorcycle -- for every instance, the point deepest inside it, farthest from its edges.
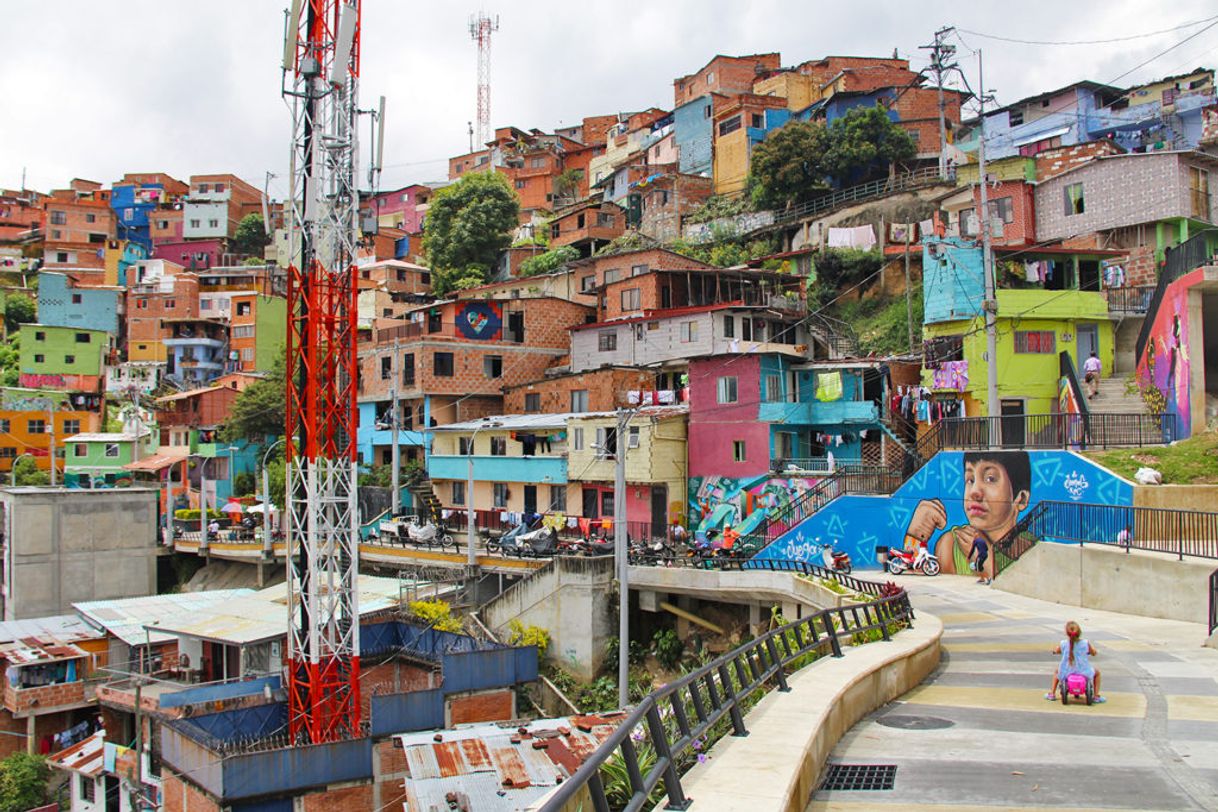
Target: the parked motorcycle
(900, 560)
(539, 543)
(506, 543)
(429, 534)
(650, 553)
(834, 560)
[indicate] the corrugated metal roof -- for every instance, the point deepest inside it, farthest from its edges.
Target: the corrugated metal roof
(66, 628)
(256, 616)
(513, 422)
(497, 767)
(103, 437)
(36, 650)
(85, 757)
(125, 618)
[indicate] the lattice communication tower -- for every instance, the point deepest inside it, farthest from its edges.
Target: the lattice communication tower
(480, 29)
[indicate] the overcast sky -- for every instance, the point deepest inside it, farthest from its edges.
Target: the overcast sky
(96, 89)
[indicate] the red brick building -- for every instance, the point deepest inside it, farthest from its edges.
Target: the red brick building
(172, 295)
(594, 272)
(79, 223)
(587, 225)
(555, 394)
(204, 408)
(728, 75)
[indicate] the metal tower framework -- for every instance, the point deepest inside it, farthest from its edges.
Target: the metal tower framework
(480, 30)
(321, 72)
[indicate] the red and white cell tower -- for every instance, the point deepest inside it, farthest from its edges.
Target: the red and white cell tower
(321, 73)
(480, 30)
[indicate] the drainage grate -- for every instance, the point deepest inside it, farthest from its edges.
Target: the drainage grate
(914, 722)
(859, 777)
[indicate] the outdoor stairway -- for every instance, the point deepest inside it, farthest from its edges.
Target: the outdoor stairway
(1112, 398)
(427, 505)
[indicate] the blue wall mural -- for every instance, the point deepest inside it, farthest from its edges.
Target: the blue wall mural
(744, 503)
(480, 321)
(951, 499)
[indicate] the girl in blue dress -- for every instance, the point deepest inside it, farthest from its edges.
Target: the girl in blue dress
(1076, 656)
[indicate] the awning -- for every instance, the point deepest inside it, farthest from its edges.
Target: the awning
(85, 757)
(157, 462)
(1041, 136)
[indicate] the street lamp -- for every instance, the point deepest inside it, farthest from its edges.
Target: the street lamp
(471, 554)
(13, 469)
(267, 545)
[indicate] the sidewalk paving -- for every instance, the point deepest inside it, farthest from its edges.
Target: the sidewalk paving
(979, 733)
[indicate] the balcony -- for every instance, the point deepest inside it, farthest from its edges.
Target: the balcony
(1130, 301)
(46, 698)
(195, 341)
(550, 470)
(817, 413)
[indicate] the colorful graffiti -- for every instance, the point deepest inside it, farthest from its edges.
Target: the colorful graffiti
(1165, 364)
(717, 501)
(948, 502)
(480, 321)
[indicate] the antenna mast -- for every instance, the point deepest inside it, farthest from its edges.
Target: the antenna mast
(321, 83)
(480, 29)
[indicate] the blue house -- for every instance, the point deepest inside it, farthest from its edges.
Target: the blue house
(62, 304)
(135, 197)
(694, 133)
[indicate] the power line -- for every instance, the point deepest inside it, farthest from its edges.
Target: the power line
(1091, 41)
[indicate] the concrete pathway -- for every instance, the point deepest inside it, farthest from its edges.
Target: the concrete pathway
(979, 733)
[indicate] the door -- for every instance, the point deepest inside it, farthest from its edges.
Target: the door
(659, 511)
(1013, 430)
(591, 503)
(1088, 342)
(530, 498)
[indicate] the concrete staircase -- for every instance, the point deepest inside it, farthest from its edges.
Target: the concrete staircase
(427, 506)
(1113, 399)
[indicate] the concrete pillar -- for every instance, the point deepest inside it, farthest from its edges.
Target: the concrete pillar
(755, 624)
(31, 744)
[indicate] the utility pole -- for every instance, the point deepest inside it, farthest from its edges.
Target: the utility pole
(908, 294)
(987, 258)
(51, 457)
(940, 50)
(621, 559)
(396, 499)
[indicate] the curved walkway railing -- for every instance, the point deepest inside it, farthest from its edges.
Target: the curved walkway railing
(671, 726)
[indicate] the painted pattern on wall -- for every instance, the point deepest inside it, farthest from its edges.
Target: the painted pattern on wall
(1166, 361)
(948, 502)
(715, 501)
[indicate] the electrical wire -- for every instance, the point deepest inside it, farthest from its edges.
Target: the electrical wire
(1128, 38)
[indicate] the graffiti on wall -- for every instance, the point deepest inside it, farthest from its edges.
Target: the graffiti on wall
(951, 500)
(480, 321)
(1165, 364)
(745, 503)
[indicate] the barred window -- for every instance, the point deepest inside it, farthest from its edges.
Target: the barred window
(1035, 341)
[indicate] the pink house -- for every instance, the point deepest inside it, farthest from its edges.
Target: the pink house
(192, 254)
(725, 437)
(400, 207)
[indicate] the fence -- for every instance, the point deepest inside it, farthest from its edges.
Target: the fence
(678, 720)
(1135, 300)
(1094, 431)
(1159, 530)
(864, 191)
(493, 521)
(1213, 601)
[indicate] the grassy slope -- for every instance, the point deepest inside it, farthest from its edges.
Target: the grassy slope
(881, 322)
(1189, 462)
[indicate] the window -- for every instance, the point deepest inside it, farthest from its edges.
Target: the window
(70, 427)
(492, 366)
(579, 221)
(5, 426)
(726, 389)
(408, 369)
(59, 218)
(1002, 209)
(243, 308)
(738, 453)
(612, 275)
(1199, 192)
(532, 402)
(689, 332)
(111, 450)
(443, 365)
(773, 388)
(1035, 341)
(243, 331)
(968, 223)
(1014, 118)
(77, 298)
(577, 439)
(458, 494)
(757, 121)
(606, 503)
(729, 126)
(39, 359)
(247, 354)
(170, 304)
(204, 188)
(706, 111)
(632, 438)
(639, 270)
(465, 446)
(386, 368)
(90, 218)
(729, 326)
(80, 450)
(141, 304)
(710, 78)
(56, 234)
(630, 299)
(40, 335)
(579, 400)
(587, 283)
(213, 223)
(195, 223)
(520, 184)
(69, 359)
(498, 446)
(558, 498)
(36, 426)
(606, 442)
(88, 789)
(606, 340)
(162, 224)
(433, 321)
(61, 256)
(500, 494)
(1073, 199)
(8, 452)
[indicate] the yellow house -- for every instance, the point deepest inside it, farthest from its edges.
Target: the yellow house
(800, 91)
(655, 448)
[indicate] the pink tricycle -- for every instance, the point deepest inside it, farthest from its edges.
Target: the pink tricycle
(1078, 686)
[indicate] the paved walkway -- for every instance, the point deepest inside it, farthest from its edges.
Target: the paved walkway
(978, 732)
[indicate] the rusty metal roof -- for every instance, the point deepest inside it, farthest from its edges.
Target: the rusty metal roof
(85, 757)
(36, 650)
(64, 628)
(497, 766)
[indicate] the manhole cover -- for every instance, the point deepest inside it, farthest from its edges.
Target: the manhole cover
(859, 777)
(914, 722)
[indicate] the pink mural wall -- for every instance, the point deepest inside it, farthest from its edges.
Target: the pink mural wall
(710, 420)
(1167, 362)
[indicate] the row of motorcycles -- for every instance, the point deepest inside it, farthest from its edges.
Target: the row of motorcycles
(409, 530)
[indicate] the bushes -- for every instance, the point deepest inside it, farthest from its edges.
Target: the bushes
(549, 261)
(437, 614)
(192, 514)
(522, 635)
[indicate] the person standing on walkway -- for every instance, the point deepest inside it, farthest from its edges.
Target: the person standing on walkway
(1093, 367)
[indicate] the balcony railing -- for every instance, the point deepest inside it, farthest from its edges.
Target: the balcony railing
(1094, 430)
(1131, 301)
(39, 698)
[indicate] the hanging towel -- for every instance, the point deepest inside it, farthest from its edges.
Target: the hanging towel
(585, 525)
(828, 386)
(572, 521)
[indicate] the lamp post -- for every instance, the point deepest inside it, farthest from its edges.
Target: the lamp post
(471, 555)
(267, 546)
(13, 469)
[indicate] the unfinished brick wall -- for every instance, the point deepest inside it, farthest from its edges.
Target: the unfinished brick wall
(602, 385)
(392, 678)
(1141, 267)
(178, 795)
(1053, 162)
(484, 706)
(13, 730)
(389, 769)
(344, 799)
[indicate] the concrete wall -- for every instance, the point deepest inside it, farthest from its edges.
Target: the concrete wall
(1096, 577)
(64, 546)
(1176, 497)
(570, 598)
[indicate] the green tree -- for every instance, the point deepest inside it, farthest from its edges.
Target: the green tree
(863, 144)
(18, 310)
(26, 472)
(468, 225)
(566, 183)
(786, 169)
(23, 782)
(260, 409)
(10, 361)
(549, 261)
(251, 236)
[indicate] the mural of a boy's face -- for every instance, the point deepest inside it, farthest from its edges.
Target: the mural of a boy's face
(991, 501)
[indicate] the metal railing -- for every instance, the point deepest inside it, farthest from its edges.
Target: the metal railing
(1213, 601)
(1134, 300)
(864, 191)
(1159, 530)
(671, 725)
(1188, 255)
(1093, 431)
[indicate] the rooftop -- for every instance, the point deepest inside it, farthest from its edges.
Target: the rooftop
(126, 618)
(40, 650)
(65, 628)
(105, 437)
(85, 757)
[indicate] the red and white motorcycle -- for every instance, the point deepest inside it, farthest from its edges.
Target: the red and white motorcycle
(901, 560)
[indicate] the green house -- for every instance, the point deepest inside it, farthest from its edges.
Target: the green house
(63, 357)
(100, 456)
